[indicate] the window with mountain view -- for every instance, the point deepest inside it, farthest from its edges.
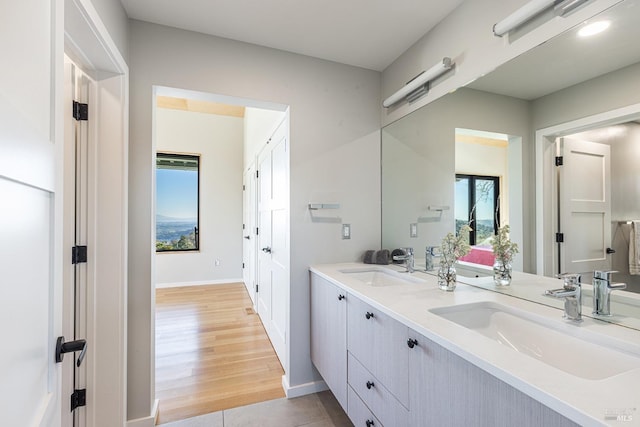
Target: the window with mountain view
(177, 197)
(477, 199)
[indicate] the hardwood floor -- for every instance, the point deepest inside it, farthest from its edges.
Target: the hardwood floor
(212, 352)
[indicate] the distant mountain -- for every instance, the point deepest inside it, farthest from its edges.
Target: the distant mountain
(165, 218)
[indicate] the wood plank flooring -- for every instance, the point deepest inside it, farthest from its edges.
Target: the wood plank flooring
(212, 352)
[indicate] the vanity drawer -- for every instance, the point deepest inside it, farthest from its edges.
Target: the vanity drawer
(375, 395)
(358, 412)
(379, 342)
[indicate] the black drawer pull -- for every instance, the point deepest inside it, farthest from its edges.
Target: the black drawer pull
(370, 423)
(412, 342)
(340, 297)
(370, 384)
(368, 315)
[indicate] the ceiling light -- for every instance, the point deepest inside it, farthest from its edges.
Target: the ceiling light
(419, 85)
(594, 28)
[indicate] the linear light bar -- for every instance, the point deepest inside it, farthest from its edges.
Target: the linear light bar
(521, 16)
(565, 7)
(418, 84)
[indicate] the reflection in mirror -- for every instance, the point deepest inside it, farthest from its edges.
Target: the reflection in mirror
(544, 100)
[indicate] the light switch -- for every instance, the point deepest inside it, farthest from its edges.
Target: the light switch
(346, 231)
(413, 229)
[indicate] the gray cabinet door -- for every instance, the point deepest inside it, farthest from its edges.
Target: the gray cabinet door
(446, 390)
(329, 335)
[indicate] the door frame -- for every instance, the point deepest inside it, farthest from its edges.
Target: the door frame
(546, 205)
(83, 37)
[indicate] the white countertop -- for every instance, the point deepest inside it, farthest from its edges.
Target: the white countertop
(584, 401)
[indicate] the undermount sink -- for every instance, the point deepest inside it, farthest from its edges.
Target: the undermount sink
(564, 346)
(380, 276)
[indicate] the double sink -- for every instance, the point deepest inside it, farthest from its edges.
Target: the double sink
(567, 347)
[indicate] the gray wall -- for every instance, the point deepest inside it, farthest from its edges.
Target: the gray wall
(335, 136)
(115, 19)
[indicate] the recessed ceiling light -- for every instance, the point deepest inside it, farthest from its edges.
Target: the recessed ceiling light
(594, 28)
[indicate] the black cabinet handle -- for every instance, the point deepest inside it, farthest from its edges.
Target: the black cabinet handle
(412, 342)
(370, 384)
(370, 423)
(247, 237)
(266, 250)
(70, 347)
(340, 297)
(368, 315)
(611, 251)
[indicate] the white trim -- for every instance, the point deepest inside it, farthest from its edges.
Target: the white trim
(198, 283)
(302, 389)
(543, 193)
(149, 421)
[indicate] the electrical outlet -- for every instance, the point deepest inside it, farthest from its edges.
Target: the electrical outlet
(413, 229)
(216, 263)
(346, 231)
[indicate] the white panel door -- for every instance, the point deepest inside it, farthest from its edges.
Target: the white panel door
(30, 293)
(273, 239)
(585, 206)
(249, 233)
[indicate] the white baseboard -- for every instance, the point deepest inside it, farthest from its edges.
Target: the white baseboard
(302, 389)
(149, 421)
(198, 283)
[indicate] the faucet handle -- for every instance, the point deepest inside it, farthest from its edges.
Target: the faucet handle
(408, 251)
(603, 274)
(571, 280)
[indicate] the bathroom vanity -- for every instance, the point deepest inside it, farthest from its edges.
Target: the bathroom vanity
(397, 351)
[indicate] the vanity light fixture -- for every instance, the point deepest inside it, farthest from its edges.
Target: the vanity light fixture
(593, 28)
(419, 85)
(521, 16)
(565, 7)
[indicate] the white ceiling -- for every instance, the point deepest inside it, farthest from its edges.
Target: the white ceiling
(364, 33)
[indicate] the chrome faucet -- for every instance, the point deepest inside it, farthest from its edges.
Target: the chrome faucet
(602, 288)
(571, 292)
(429, 254)
(407, 258)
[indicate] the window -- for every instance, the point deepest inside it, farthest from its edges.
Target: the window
(477, 200)
(177, 197)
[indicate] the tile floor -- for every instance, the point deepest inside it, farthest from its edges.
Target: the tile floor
(314, 410)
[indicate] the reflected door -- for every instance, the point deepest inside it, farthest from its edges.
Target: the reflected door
(585, 206)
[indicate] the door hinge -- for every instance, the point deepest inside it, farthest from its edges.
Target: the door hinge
(243, 187)
(257, 174)
(243, 265)
(78, 398)
(559, 160)
(256, 287)
(257, 231)
(80, 111)
(78, 254)
(243, 226)
(559, 237)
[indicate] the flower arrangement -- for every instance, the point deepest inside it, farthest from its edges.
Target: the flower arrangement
(453, 247)
(503, 248)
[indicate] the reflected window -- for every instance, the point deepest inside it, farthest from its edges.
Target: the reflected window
(477, 199)
(177, 197)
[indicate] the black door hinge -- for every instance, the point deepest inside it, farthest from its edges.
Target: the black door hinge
(78, 398)
(257, 231)
(257, 174)
(256, 287)
(559, 237)
(559, 161)
(80, 111)
(243, 226)
(243, 187)
(243, 265)
(78, 254)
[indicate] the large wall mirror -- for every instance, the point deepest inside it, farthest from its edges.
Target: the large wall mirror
(491, 146)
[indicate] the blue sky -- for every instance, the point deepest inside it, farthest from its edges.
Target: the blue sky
(177, 193)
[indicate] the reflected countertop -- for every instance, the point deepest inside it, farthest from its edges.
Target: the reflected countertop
(584, 401)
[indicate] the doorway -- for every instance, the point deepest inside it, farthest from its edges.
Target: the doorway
(590, 171)
(225, 135)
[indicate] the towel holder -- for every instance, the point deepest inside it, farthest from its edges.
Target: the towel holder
(317, 206)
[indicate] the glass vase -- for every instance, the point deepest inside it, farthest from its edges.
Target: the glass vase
(447, 278)
(502, 273)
